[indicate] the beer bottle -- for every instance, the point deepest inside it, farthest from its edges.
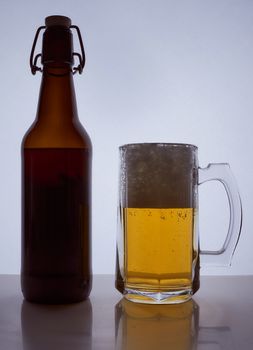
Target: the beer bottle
(56, 177)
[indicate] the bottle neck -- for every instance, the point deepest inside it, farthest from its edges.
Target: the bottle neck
(57, 101)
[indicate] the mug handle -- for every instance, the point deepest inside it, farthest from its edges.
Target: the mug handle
(221, 172)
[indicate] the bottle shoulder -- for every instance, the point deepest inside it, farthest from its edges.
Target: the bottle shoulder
(83, 134)
(72, 135)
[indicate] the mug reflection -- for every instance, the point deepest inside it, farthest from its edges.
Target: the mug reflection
(57, 326)
(149, 327)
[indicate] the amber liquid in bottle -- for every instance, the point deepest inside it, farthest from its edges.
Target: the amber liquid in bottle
(56, 185)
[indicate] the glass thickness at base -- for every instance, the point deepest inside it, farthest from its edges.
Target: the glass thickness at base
(159, 291)
(148, 294)
(150, 297)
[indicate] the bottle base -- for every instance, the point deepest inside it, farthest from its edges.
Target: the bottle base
(55, 290)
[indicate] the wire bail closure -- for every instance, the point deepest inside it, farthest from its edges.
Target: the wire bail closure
(81, 57)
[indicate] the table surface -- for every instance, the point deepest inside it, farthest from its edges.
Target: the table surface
(219, 317)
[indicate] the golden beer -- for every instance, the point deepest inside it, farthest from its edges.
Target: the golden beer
(159, 249)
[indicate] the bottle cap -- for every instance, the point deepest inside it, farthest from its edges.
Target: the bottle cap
(57, 45)
(57, 21)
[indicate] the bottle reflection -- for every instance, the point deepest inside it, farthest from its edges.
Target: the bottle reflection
(149, 327)
(53, 327)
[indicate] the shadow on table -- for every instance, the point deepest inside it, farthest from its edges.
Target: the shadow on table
(51, 327)
(163, 327)
(215, 338)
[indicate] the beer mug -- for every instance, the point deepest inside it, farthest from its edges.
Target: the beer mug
(157, 244)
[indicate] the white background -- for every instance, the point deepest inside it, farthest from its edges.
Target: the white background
(161, 70)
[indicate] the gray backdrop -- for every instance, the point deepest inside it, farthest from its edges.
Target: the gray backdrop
(161, 70)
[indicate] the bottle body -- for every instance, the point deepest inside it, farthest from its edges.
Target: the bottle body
(56, 262)
(56, 194)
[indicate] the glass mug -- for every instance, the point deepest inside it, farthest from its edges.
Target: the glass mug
(158, 251)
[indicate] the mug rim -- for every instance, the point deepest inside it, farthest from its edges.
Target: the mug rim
(159, 144)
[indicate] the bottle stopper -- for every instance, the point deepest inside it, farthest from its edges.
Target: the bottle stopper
(57, 21)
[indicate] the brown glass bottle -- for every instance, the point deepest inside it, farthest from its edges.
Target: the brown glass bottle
(56, 182)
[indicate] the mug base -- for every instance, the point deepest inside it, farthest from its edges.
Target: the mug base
(146, 297)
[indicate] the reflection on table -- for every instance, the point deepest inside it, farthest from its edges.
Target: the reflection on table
(149, 327)
(51, 327)
(215, 338)
(163, 327)
(220, 318)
